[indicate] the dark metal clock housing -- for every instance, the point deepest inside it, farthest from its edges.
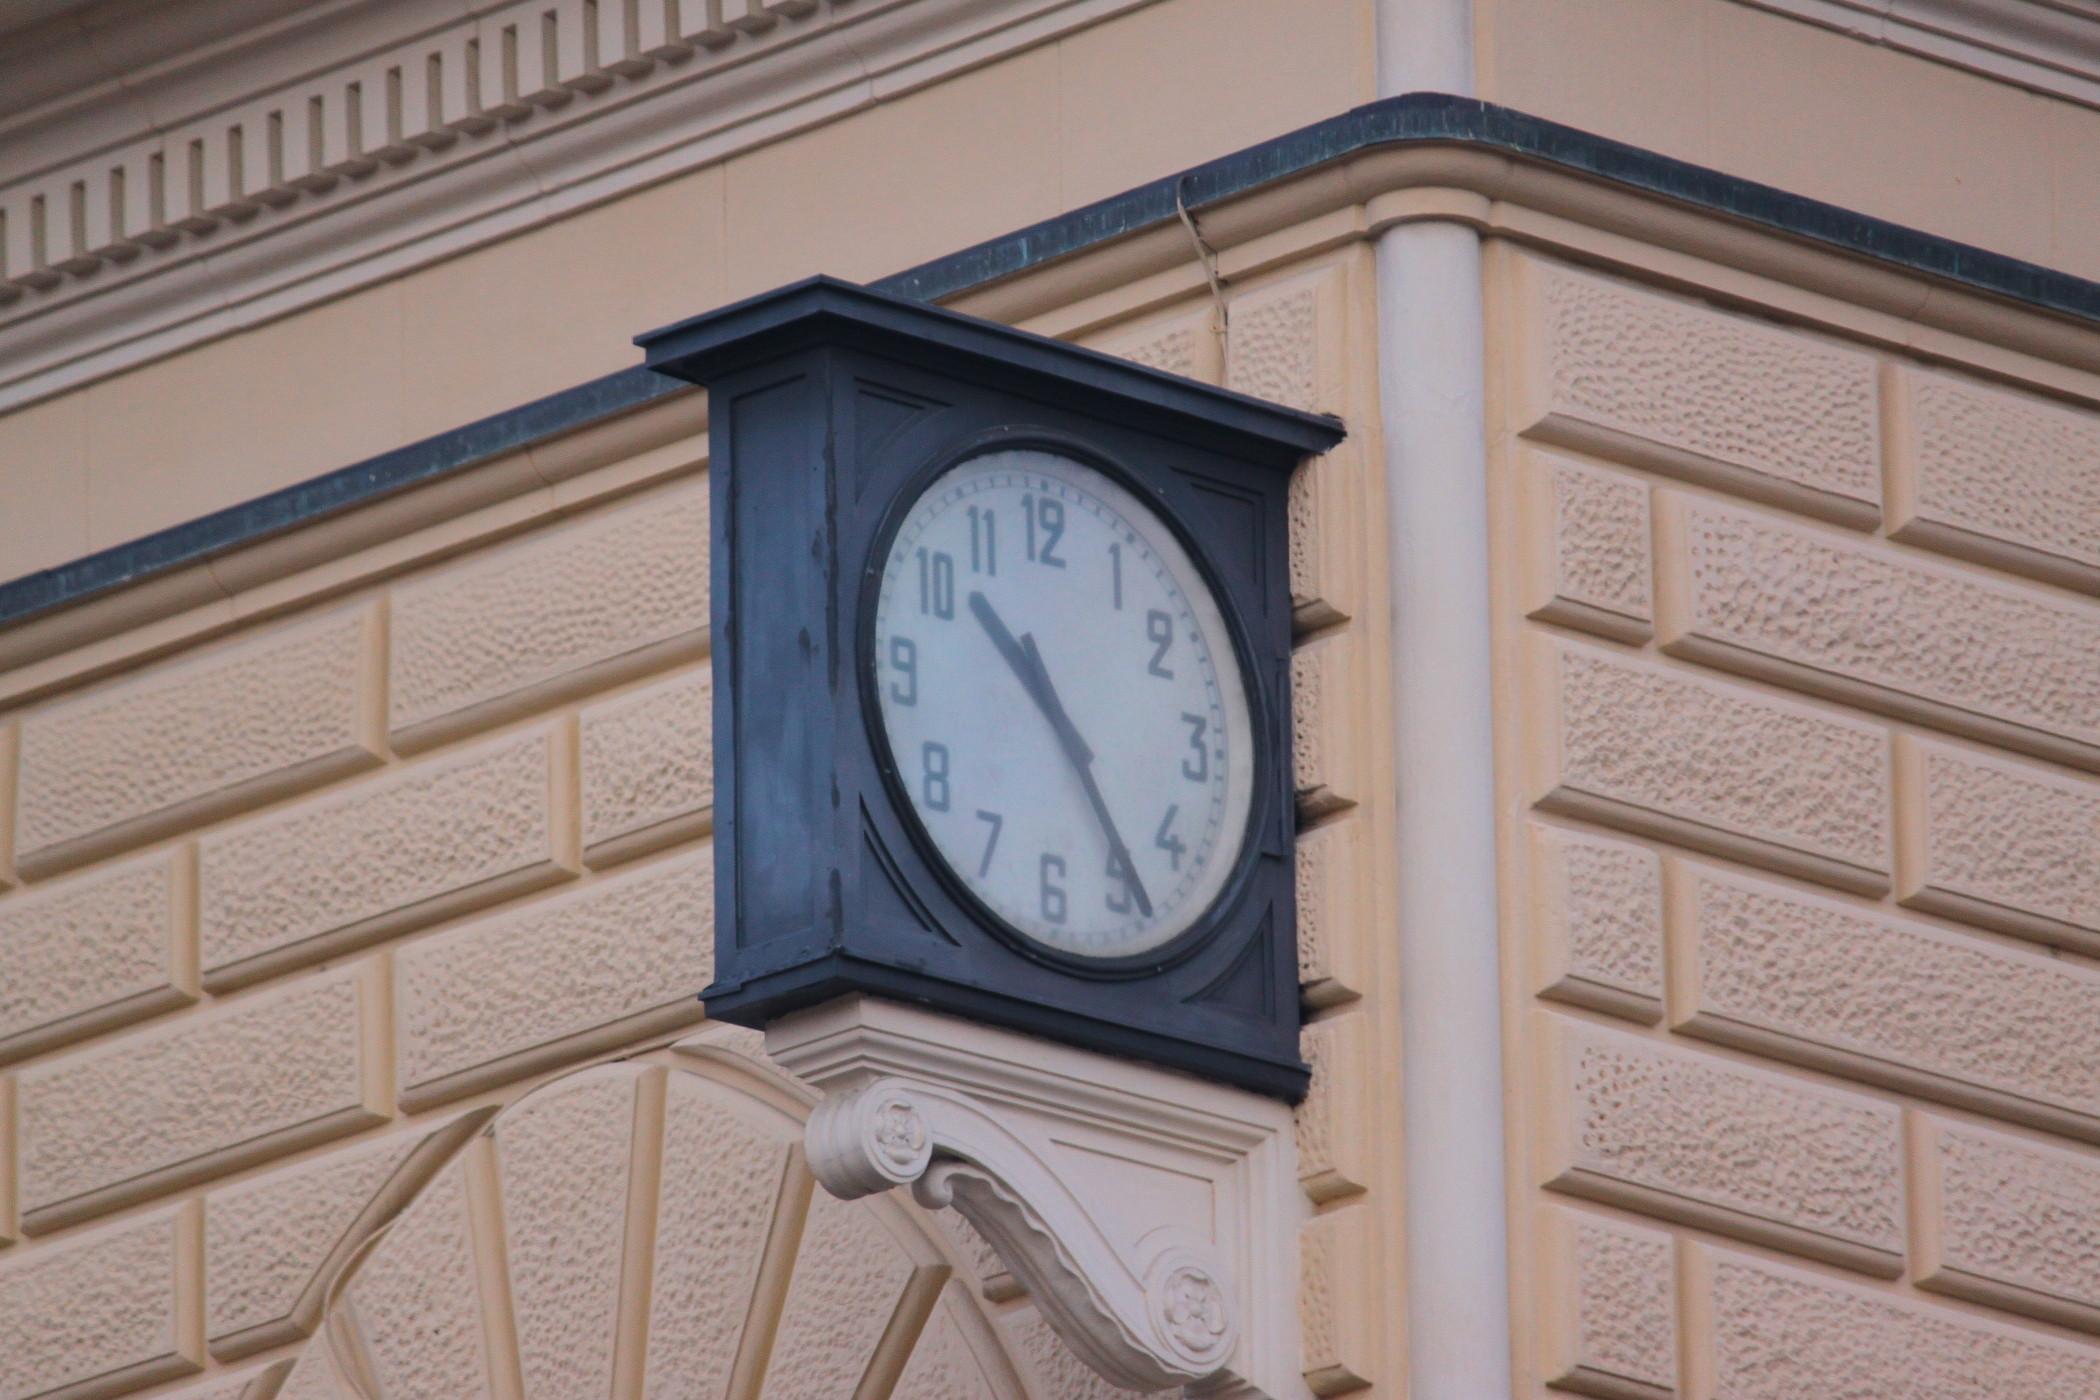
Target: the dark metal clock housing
(830, 409)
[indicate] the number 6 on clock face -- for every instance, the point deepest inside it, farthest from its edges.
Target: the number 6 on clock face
(1063, 703)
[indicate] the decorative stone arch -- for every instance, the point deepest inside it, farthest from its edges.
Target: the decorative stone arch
(649, 1229)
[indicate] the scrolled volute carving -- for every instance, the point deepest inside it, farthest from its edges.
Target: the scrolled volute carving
(1150, 1314)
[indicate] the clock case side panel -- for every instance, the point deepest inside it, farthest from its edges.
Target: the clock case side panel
(810, 800)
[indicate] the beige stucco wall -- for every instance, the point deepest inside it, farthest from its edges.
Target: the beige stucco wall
(1797, 740)
(300, 900)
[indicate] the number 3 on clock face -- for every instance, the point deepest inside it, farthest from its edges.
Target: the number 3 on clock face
(1063, 703)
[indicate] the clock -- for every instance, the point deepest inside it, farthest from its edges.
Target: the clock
(1068, 723)
(1001, 642)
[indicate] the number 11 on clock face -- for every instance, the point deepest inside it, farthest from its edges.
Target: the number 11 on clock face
(1062, 703)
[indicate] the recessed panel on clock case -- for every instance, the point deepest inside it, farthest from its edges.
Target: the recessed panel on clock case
(1001, 647)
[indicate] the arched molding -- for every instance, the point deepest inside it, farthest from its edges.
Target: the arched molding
(650, 1228)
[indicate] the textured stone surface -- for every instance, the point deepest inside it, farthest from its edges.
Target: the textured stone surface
(2010, 1222)
(1336, 1134)
(1185, 344)
(1615, 1315)
(943, 1367)
(1782, 1334)
(1809, 608)
(1338, 1317)
(2004, 844)
(155, 1108)
(417, 1300)
(1696, 1139)
(1889, 1001)
(315, 1377)
(569, 607)
(1999, 476)
(849, 1276)
(726, 1163)
(95, 951)
(262, 1383)
(423, 842)
(1690, 389)
(1332, 870)
(196, 737)
(1328, 755)
(1719, 766)
(1278, 332)
(266, 1238)
(648, 768)
(564, 1160)
(116, 1304)
(1586, 560)
(1598, 910)
(479, 995)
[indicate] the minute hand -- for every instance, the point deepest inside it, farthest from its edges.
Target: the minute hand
(1027, 664)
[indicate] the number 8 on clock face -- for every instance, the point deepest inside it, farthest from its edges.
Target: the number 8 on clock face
(1063, 704)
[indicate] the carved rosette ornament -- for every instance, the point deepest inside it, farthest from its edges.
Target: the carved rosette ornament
(1149, 1313)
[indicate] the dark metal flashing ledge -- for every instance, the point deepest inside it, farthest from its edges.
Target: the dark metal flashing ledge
(1415, 119)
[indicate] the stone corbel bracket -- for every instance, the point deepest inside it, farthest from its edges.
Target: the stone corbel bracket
(1151, 1217)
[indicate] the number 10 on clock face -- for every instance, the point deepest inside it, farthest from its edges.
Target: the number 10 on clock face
(1062, 704)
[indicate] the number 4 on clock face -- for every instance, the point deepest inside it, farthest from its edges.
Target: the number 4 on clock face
(1062, 703)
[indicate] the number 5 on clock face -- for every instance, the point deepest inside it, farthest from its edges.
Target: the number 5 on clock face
(1063, 703)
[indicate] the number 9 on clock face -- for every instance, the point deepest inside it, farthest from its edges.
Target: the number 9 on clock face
(1062, 703)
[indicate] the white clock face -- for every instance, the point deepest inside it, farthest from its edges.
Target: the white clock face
(1063, 703)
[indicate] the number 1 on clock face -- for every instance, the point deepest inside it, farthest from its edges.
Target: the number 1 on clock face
(1062, 703)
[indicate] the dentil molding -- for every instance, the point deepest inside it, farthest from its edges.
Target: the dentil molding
(179, 171)
(1152, 1217)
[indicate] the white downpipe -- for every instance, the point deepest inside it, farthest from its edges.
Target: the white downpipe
(1432, 367)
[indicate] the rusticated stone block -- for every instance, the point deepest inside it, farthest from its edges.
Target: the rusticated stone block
(563, 1154)
(1585, 560)
(1609, 1307)
(1856, 621)
(2006, 845)
(275, 1242)
(2005, 1222)
(575, 607)
(1597, 923)
(1642, 1124)
(1888, 1001)
(1683, 388)
(1334, 910)
(1767, 1332)
(1339, 1297)
(202, 1095)
(1336, 1123)
(105, 1312)
(421, 844)
(738, 1169)
(1185, 344)
(186, 741)
(85, 954)
(315, 1376)
(1673, 754)
(648, 769)
(1285, 343)
(630, 956)
(417, 1302)
(1996, 476)
(1056, 1368)
(1328, 692)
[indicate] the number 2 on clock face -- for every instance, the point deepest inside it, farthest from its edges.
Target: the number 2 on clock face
(1063, 703)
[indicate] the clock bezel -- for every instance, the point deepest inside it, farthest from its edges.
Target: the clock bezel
(1219, 913)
